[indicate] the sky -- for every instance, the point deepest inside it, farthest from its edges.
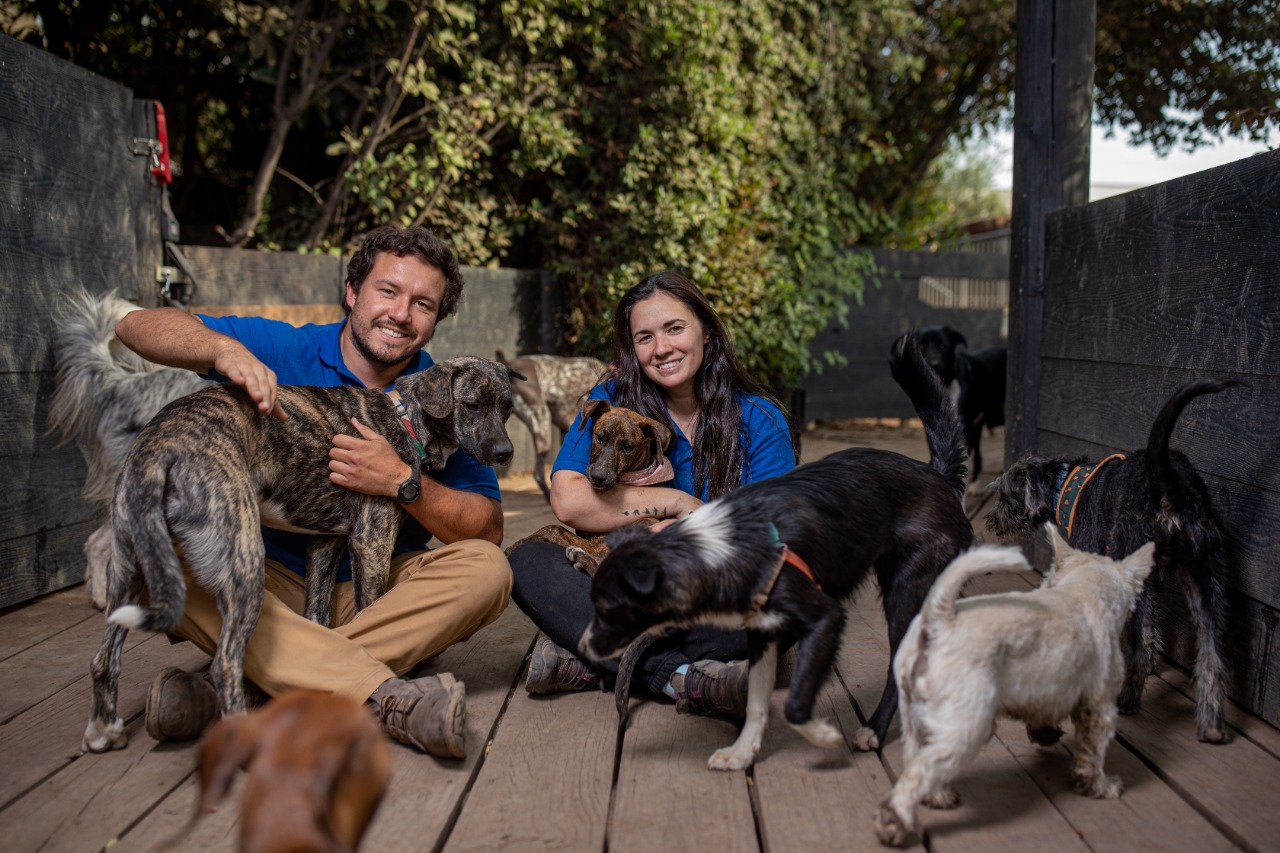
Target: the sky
(1114, 161)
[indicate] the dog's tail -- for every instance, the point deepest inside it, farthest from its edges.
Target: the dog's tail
(143, 541)
(85, 364)
(103, 394)
(1159, 465)
(940, 605)
(948, 453)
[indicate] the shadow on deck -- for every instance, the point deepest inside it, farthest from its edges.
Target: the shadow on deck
(552, 773)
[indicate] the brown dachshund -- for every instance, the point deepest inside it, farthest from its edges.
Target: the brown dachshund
(626, 447)
(318, 766)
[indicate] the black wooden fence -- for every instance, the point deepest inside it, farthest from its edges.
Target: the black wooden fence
(1144, 292)
(77, 208)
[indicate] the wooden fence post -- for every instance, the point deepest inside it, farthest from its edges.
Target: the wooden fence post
(1053, 113)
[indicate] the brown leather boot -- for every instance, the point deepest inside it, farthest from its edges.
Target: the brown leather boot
(181, 705)
(428, 713)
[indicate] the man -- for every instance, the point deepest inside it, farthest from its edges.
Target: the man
(401, 284)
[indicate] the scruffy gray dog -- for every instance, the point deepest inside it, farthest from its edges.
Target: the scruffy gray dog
(1039, 657)
(104, 395)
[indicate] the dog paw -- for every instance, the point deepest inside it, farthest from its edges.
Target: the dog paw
(1211, 735)
(821, 734)
(1100, 787)
(100, 738)
(731, 758)
(943, 798)
(865, 740)
(581, 560)
(889, 827)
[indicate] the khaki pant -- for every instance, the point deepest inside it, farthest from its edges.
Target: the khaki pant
(434, 599)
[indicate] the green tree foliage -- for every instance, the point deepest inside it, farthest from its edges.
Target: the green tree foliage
(750, 141)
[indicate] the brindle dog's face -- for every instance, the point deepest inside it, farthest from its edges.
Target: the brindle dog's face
(622, 441)
(475, 394)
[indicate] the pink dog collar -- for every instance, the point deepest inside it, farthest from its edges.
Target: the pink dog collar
(659, 472)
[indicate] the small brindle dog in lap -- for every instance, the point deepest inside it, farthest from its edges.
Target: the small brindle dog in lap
(627, 448)
(210, 469)
(1115, 506)
(853, 515)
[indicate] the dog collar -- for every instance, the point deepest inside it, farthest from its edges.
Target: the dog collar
(404, 417)
(659, 472)
(1070, 485)
(785, 556)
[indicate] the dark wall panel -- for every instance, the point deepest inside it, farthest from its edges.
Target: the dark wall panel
(1149, 290)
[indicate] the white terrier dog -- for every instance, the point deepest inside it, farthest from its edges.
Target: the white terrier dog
(1038, 656)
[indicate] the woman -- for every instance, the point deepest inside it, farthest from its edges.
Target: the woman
(677, 366)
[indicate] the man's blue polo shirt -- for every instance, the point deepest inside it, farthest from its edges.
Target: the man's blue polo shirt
(766, 438)
(312, 355)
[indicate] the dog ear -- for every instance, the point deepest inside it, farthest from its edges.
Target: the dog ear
(957, 339)
(658, 432)
(436, 393)
(1061, 550)
(1138, 565)
(229, 746)
(592, 409)
(642, 578)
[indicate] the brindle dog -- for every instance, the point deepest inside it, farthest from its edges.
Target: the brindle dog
(210, 468)
(626, 447)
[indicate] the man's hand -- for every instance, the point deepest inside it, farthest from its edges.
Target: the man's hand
(366, 464)
(244, 369)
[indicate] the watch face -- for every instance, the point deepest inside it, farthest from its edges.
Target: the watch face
(408, 491)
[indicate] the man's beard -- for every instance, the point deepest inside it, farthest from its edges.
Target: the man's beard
(367, 350)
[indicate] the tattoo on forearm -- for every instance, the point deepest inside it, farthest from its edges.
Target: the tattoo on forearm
(652, 512)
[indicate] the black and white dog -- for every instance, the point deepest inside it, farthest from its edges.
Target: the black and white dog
(1112, 508)
(976, 383)
(857, 513)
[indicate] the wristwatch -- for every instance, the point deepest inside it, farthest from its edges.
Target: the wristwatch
(409, 490)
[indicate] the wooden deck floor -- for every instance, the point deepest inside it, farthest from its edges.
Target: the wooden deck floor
(552, 773)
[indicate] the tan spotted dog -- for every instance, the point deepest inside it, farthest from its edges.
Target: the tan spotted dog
(550, 398)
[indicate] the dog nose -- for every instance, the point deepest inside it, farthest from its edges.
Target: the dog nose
(503, 455)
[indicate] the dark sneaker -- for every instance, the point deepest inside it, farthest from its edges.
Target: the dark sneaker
(429, 713)
(555, 670)
(711, 688)
(181, 705)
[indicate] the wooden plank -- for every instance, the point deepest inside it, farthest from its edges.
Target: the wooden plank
(1148, 816)
(87, 804)
(43, 562)
(45, 739)
(537, 759)
(427, 793)
(665, 790)
(1164, 275)
(56, 664)
(28, 624)
(1231, 784)
(1246, 724)
(1114, 405)
(843, 785)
